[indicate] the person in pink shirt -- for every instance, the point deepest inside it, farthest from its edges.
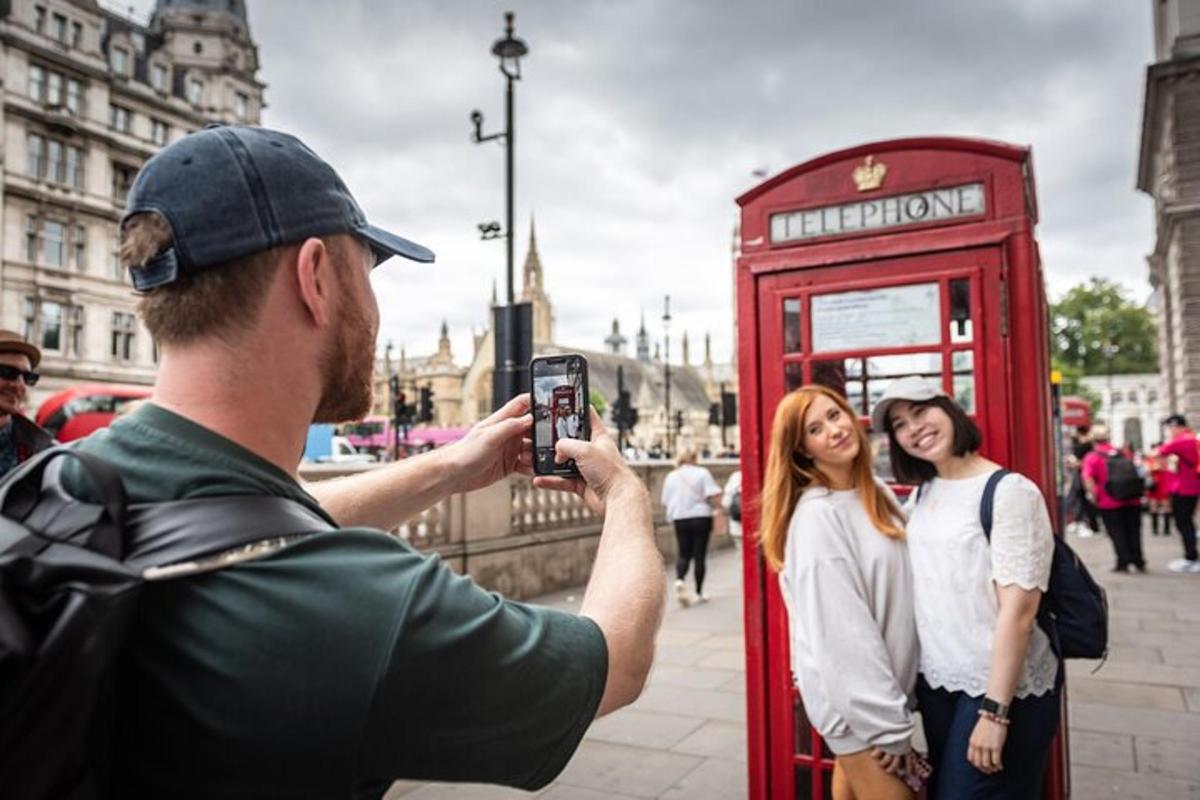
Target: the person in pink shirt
(1185, 489)
(1122, 515)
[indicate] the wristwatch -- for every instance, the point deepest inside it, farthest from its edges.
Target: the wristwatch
(994, 707)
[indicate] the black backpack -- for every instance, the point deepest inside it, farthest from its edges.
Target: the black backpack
(1123, 481)
(1074, 610)
(70, 576)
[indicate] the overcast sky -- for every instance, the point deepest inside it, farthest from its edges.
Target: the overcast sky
(640, 121)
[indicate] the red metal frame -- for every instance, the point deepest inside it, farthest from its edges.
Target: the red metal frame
(997, 253)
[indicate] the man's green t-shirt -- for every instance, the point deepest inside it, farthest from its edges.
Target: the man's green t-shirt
(335, 666)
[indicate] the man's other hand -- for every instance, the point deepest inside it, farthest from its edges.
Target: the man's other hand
(494, 448)
(601, 468)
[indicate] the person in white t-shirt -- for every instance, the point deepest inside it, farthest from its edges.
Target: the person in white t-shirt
(691, 497)
(988, 689)
(835, 534)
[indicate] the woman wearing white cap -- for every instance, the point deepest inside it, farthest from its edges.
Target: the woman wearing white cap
(988, 689)
(836, 536)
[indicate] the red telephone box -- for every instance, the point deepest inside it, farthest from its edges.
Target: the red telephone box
(913, 256)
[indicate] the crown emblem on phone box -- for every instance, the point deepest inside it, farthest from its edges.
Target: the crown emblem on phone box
(869, 175)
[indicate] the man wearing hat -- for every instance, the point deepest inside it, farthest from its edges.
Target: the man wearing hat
(331, 665)
(19, 436)
(1185, 488)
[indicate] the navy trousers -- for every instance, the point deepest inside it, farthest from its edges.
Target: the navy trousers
(950, 717)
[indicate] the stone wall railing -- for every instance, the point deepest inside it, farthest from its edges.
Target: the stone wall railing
(520, 540)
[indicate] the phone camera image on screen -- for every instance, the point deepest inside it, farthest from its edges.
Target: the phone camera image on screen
(560, 407)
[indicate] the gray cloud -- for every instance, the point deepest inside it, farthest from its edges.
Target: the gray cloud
(639, 121)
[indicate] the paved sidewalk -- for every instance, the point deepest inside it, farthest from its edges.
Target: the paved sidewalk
(1135, 725)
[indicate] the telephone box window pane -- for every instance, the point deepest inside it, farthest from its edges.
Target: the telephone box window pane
(791, 325)
(793, 376)
(897, 316)
(804, 780)
(881, 460)
(964, 379)
(844, 376)
(803, 729)
(961, 329)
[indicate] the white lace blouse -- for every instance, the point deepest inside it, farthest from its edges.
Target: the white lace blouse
(953, 574)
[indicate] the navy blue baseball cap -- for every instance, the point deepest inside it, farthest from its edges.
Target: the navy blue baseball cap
(229, 191)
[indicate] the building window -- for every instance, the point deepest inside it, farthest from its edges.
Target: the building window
(74, 96)
(1152, 396)
(29, 332)
(1116, 398)
(119, 59)
(75, 319)
(198, 47)
(37, 83)
(54, 86)
(79, 248)
(39, 19)
(58, 28)
(159, 77)
(36, 148)
(54, 244)
(195, 91)
(158, 131)
(118, 118)
(51, 160)
(76, 35)
(51, 319)
(124, 331)
(1132, 396)
(241, 105)
(122, 181)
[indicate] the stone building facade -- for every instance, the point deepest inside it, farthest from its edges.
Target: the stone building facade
(1169, 171)
(1132, 406)
(88, 96)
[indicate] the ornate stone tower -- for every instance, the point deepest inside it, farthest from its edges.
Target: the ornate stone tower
(643, 341)
(616, 340)
(214, 59)
(535, 292)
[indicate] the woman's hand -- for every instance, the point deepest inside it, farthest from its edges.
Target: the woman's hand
(986, 746)
(895, 764)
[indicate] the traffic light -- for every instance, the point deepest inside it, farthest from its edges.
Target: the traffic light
(394, 385)
(714, 413)
(678, 421)
(729, 407)
(401, 410)
(425, 410)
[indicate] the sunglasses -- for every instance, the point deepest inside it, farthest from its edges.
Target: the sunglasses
(12, 373)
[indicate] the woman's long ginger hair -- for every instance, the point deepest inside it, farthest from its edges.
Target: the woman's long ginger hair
(789, 473)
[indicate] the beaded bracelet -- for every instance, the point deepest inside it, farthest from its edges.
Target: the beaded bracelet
(996, 718)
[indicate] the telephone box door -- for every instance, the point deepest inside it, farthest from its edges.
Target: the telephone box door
(856, 327)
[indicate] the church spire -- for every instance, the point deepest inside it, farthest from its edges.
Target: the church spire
(687, 359)
(643, 340)
(533, 266)
(708, 350)
(616, 340)
(444, 353)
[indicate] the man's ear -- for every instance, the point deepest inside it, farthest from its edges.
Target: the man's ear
(315, 279)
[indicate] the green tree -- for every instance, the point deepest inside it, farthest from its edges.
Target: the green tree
(597, 401)
(1095, 329)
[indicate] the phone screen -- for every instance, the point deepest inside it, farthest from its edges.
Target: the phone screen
(560, 406)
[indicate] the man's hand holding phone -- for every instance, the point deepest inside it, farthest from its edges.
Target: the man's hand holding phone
(602, 471)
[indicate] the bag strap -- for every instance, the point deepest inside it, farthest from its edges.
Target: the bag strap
(189, 530)
(988, 502)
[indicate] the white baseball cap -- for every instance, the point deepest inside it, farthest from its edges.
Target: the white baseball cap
(914, 388)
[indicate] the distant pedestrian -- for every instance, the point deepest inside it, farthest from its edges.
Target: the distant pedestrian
(988, 691)
(20, 437)
(1111, 478)
(1159, 483)
(731, 501)
(1185, 488)
(691, 498)
(835, 534)
(1087, 518)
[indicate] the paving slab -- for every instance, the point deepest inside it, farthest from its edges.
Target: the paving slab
(1105, 750)
(639, 772)
(642, 729)
(715, 779)
(714, 739)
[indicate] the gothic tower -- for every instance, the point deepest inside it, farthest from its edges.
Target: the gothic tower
(643, 341)
(616, 340)
(535, 292)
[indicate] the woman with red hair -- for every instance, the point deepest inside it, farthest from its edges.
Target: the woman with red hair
(836, 536)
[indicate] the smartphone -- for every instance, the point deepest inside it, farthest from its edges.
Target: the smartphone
(559, 388)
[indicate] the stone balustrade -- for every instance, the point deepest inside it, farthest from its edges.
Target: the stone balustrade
(519, 540)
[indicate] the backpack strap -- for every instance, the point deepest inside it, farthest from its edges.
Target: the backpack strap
(988, 502)
(160, 534)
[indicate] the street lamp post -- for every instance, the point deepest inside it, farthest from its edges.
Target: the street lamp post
(509, 50)
(666, 319)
